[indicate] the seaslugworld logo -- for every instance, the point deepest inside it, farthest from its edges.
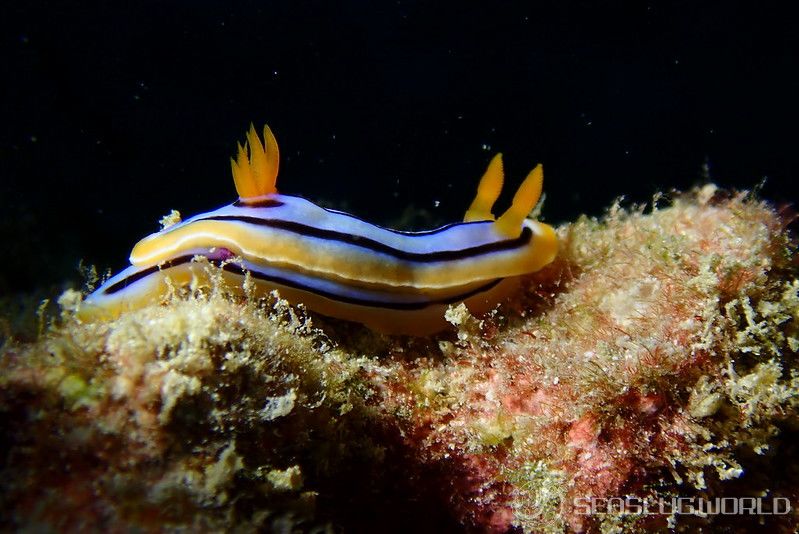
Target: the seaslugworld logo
(632, 505)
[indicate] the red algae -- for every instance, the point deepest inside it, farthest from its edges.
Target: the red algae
(655, 359)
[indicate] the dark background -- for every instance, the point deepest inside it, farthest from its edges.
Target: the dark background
(113, 113)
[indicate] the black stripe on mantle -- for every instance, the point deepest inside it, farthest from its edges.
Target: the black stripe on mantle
(232, 267)
(376, 246)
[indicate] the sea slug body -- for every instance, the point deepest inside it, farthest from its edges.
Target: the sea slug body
(337, 264)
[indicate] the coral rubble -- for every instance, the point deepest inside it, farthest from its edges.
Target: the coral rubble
(654, 360)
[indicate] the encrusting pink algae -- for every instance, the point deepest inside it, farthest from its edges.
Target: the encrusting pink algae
(655, 359)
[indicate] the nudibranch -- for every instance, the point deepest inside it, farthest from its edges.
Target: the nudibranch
(337, 264)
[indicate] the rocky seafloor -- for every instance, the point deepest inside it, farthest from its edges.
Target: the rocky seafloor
(655, 359)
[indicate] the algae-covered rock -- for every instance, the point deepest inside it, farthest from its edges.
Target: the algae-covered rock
(655, 359)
